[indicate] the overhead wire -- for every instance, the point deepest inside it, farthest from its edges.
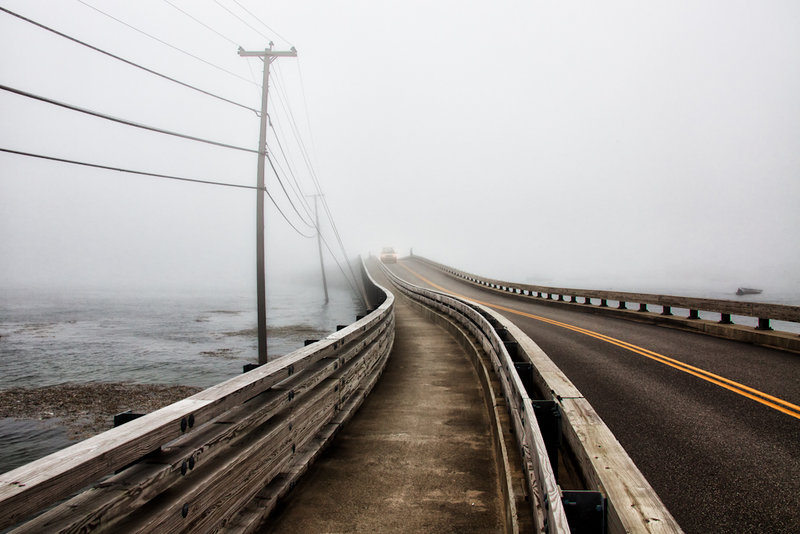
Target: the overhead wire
(297, 189)
(240, 19)
(127, 61)
(298, 137)
(293, 182)
(285, 192)
(127, 122)
(165, 43)
(228, 39)
(200, 22)
(262, 22)
(284, 102)
(304, 152)
(338, 236)
(155, 175)
(123, 121)
(121, 169)
(305, 103)
(319, 230)
(296, 229)
(344, 274)
(293, 124)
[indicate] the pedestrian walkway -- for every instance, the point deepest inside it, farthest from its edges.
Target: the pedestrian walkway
(417, 457)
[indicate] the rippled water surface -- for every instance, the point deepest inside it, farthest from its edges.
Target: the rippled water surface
(196, 339)
(50, 338)
(22, 440)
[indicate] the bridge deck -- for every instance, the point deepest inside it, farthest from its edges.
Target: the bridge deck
(417, 457)
(721, 461)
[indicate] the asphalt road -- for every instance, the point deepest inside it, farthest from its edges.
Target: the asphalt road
(720, 461)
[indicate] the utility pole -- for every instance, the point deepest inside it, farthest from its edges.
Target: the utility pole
(319, 245)
(267, 56)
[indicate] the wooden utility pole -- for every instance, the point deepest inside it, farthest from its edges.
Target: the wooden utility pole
(319, 245)
(267, 56)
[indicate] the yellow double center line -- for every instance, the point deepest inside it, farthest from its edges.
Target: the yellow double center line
(766, 399)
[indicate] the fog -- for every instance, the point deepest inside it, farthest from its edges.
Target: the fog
(614, 144)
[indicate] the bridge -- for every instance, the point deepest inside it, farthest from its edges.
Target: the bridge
(462, 404)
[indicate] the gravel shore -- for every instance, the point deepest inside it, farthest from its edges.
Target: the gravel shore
(88, 409)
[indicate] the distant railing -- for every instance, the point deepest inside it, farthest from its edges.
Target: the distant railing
(599, 300)
(614, 491)
(216, 461)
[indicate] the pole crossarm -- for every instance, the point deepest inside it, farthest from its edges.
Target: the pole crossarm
(268, 53)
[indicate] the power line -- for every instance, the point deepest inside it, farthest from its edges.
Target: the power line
(223, 69)
(120, 169)
(325, 205)
(327, 246)
(298, 138)
(319, 230)
(262, 22)
(123, 121)
(307, 159)
(262, 34)
(202, 23)
(338, 236)
(154, 175)
(296, 229)
(305, 103)
(294, 186)
(285, 192)
(284, 101)
(297, 189)
(131, 63)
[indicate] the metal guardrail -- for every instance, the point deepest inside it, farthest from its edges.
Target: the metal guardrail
(763, 311)
(216, 461)
(598, 300)
(631, 505)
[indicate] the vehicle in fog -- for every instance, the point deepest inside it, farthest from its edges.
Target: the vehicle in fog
(388, 255)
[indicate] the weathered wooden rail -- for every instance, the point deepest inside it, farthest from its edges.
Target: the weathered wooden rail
(597, 301)
(604, 484)
(216, 461)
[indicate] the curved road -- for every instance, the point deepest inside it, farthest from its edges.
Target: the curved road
(720, 460)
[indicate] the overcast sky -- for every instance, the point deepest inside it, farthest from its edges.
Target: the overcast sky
(601, 144)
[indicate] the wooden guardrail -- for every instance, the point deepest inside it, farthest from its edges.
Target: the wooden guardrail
(598, 301)
(589, 447)
(216, 461)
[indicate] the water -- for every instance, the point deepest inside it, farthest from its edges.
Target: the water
(23, 440)
(786, 297)
(51, 337)
(48, 338)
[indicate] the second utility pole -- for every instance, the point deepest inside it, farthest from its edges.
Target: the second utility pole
(319, 245)
(267, 56)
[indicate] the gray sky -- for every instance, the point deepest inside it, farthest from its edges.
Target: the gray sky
(578, 143)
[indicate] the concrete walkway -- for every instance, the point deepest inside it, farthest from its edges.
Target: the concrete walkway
(418, 455)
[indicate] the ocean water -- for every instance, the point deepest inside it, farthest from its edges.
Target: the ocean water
(196, 339)
(786, 297)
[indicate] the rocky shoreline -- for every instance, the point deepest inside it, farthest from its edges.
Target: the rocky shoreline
(88, 409)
